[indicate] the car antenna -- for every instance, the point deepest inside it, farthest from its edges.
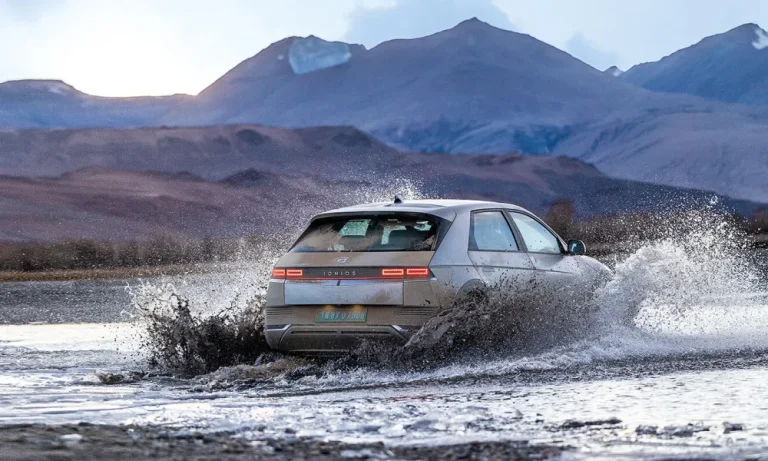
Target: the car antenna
(398, 199)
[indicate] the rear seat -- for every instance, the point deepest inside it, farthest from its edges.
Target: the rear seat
(405, 239)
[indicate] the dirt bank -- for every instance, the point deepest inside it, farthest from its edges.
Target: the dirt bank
(130, 443)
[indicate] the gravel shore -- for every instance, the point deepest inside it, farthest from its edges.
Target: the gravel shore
(85, 442)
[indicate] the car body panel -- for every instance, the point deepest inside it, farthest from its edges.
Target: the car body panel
(343, 292)
(501, 267)
(349, 259)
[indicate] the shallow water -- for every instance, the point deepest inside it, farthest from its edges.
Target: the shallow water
(694, 357)
(48, 374)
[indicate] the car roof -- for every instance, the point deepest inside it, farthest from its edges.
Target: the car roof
(444, 208)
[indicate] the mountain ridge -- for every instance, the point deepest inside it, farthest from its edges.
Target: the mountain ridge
(470, 89)
(729, 67)
(245, 177)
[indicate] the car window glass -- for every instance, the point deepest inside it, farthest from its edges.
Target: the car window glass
(536, 237)
(356, 227)
(358, 233)
(491, 232)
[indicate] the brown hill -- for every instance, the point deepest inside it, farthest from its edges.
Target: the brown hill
(211, 152)
(245, 179)
(123, 205)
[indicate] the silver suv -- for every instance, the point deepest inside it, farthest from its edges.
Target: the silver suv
(380, 271)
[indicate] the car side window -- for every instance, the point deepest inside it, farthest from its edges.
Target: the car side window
(490, 231)
(537, 238)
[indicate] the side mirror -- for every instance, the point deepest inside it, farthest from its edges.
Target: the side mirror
(576, 248)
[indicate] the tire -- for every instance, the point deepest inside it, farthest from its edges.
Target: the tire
(473, 292)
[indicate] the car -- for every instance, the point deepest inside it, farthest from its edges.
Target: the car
(380, 271)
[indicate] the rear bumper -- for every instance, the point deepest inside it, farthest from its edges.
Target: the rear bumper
(395, 310)
(292, 328)
(331, 340)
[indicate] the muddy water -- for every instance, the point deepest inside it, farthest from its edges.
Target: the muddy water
(686, 377)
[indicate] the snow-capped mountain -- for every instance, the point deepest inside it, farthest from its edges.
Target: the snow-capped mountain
(730, 67)
(476, 88)
(463, 89)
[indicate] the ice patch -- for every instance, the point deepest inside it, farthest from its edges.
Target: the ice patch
(58, 88)
(762, 39)
(310, 54)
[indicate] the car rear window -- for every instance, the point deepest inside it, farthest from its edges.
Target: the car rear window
(369, 233)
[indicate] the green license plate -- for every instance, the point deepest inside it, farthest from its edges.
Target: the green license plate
(333, 315)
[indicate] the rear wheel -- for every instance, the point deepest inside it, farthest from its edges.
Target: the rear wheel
(472, 293)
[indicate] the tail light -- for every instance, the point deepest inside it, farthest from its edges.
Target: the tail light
(410, 272)
(393, 273)
(294, 273)
(353, 273)
(417, 272)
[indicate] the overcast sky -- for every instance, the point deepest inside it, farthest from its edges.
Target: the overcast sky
(119, 48)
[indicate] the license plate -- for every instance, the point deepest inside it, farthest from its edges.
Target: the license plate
(333, 315)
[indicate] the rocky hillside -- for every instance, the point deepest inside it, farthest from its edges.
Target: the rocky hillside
(245, 179)
(52, 103)
(730, 67)
(471, 89)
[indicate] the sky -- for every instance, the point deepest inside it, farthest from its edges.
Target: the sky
(155, 47)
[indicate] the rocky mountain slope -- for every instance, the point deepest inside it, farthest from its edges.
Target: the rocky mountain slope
(470, 89)
(52, 103)
(730, 67)
(211, 152)
(270, 185)
(473, 88)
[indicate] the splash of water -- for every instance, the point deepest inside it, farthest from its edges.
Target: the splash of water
(176, 339)
(696, 290)
(690, 282)
(219, 320)
(693, 290)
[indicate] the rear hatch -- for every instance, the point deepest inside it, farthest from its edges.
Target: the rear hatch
(361, 259)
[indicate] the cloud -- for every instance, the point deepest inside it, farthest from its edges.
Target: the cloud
(579, 47)
(29, 10)
(418, 18)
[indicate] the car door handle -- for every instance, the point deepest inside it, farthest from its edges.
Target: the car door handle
(489, 269)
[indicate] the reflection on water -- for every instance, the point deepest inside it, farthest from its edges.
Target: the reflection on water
(106, 301)
(62, 302)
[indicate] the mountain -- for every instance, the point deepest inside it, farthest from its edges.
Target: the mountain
(53, 103)
(730, 67)
(613, 71)
(476, 88)
(238, 180)
(473, 88)
(470, 89)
